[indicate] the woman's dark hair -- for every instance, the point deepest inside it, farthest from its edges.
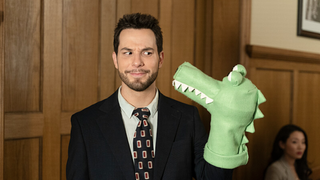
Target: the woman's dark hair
(302, 167)
(138, 21)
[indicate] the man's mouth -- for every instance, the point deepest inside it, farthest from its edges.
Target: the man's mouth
(137, 72)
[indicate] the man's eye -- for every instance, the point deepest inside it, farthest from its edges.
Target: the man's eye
(147, 53)
(127, 53)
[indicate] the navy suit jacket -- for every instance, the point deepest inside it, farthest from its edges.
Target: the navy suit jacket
(99, 150)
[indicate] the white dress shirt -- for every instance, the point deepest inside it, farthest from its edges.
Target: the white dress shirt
(131, 122)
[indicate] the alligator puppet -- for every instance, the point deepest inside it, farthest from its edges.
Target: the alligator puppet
(233, 105)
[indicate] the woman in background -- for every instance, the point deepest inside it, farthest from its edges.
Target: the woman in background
(289, 155)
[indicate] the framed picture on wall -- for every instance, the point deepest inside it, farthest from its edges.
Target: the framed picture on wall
(309, 18)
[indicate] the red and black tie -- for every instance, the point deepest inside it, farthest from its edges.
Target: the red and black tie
(143, 146)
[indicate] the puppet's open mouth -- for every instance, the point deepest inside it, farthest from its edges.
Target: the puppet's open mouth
(185, 87)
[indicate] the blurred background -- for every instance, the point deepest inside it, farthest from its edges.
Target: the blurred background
(55, 59)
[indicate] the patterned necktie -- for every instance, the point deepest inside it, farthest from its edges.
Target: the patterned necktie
(143, 146)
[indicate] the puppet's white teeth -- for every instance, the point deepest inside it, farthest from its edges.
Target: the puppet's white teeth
(209, 100)
(191, 88)
(197, 92)
(176, 84)
(184, 87)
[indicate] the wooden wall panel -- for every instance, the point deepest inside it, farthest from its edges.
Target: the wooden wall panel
(308, 112)
(145, 6)
(64, 155)
(52, 81)
(203, 47)
(183, 39)
(23, 125)
(290, 82)
(226, 39)
(165, 19)
(22, 159)
(1, 91)
(80, 53)
(277, 112)
(22, 55)
(107, 71)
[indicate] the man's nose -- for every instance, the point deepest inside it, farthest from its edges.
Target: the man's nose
(137, 60)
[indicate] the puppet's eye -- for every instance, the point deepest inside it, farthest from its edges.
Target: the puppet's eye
(235, 78)
(240, 69)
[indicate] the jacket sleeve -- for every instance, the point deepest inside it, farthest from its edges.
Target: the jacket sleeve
(77, 168)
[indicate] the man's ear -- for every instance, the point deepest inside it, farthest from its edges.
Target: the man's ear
(161, 57)
(281, 144)
(115, 61)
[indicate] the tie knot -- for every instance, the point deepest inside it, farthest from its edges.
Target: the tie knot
(141, 113)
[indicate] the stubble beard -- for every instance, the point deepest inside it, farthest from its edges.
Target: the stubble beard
(137, 85)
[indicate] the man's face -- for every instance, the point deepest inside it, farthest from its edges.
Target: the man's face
(138, 60)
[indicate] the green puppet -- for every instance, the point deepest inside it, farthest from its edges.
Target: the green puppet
(233, 105)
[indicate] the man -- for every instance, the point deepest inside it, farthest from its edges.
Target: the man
(103, 143)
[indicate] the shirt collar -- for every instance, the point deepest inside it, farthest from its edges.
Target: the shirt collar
(128, 108)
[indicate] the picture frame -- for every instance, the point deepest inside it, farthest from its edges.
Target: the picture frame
(309, 18)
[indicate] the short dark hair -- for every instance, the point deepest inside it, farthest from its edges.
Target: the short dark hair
(138, 21)
(302, 167)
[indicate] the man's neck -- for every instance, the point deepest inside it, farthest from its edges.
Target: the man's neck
(138, 98)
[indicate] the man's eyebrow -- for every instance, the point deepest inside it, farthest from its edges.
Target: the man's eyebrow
(144, 49)
(147, 49)
(126, 49)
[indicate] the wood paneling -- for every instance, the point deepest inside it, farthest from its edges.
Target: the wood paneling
(1, 91)
(182, 40)
(262, 52)
(107, 71)
(203, 47)
(80, 53)
(22, 159)
(226, 40)
(315, 174)
(23, 125)
(245, 30)
(52, 77)
(277, 111)
(164, 78)
(64, 155)
(22, 55)
(146, 6)
(291, 87)
(308, 114)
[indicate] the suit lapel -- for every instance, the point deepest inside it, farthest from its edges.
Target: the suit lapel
(168, 121)
(112, 127)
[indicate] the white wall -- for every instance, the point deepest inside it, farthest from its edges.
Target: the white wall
(274, 24)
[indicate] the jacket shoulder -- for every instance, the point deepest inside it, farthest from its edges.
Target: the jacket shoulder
(98, 108)
(180, 106)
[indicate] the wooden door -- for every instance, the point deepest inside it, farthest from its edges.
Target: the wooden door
(32, 81)
(55, 54)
